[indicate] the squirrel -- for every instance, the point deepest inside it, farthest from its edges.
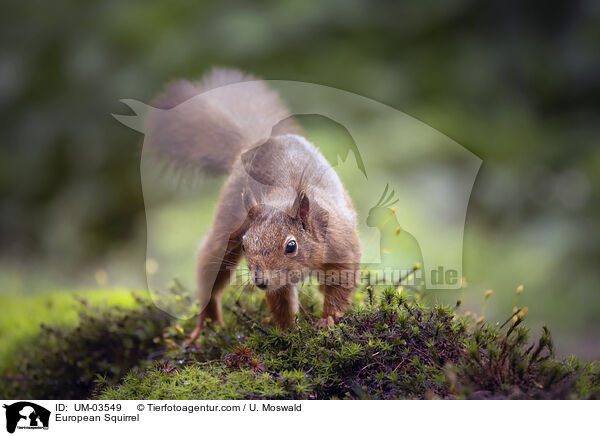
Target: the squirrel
(282, 207)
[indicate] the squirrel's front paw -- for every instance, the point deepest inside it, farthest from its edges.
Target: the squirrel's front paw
(325, 322)
(329, 321)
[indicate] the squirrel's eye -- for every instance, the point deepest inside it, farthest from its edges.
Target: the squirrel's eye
(290, 247)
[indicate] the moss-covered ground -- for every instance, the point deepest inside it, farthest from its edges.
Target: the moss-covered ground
(388, 346)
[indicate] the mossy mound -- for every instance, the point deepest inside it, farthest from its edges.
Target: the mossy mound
(388, 346)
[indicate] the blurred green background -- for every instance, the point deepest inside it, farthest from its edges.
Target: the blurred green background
(517, 84)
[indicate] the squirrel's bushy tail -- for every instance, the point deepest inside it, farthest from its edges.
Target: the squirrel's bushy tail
(207, 124)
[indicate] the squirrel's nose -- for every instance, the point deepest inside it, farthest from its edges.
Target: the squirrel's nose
(260, 280)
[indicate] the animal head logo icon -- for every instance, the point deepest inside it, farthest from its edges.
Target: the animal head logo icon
(27, 415)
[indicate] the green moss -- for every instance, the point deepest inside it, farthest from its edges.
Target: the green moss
(22, 315)
(209, 382)
(64, 361)
(390, 347)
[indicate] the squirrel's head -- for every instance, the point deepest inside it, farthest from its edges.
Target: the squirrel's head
(280, 244)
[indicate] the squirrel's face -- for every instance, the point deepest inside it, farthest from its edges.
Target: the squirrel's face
(277, 248)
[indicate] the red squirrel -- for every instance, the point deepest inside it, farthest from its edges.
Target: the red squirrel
(283, 207)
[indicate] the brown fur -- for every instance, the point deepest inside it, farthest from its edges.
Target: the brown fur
(279, 187)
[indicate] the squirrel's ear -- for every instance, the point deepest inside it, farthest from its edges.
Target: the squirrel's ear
(302, 206)
(248, 199)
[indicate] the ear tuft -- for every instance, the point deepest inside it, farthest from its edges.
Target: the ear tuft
(303, 208)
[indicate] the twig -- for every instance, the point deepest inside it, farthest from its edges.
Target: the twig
(306, 313)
